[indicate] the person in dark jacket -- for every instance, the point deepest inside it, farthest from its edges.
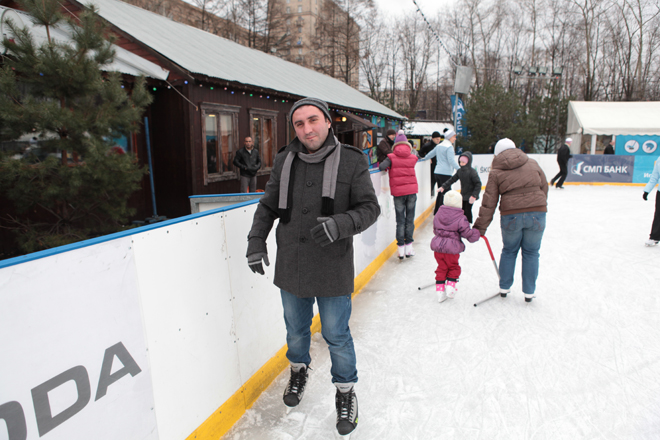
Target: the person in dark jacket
(610, 147)
(563, 154)
(321, 192)
(470, 183)
(436, 138)
(248, 161)
(385, 145)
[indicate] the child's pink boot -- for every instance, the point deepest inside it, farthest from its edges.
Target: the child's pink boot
(451, 289)
(440, 292)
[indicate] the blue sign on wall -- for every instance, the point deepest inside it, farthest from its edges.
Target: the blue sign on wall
(600, 168)
(458, 110)
(637, 145)
(644, 167)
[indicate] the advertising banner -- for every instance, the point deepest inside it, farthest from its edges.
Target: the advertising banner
(643, 168)
(458, 111)
(600, 168)
(637, 146)
(74, 357)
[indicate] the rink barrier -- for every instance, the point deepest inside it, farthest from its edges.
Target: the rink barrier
(199, 335)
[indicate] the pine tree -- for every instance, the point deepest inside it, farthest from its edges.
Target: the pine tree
(78, 186)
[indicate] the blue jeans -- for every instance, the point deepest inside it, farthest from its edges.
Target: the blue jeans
(523, 232)
(335, 313)
(404, 207)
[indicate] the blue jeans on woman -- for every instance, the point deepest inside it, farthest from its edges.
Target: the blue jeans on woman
(335, 313)
(404, 208)
(521, 232)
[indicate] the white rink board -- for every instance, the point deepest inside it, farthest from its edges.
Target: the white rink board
(482, 163)
(61, 313)
(179, 296)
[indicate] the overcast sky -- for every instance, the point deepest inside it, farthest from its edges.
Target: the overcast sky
(429, 7)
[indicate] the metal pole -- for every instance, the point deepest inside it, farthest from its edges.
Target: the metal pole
(151, 171)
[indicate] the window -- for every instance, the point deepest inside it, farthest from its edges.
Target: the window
(288, 21)
(300, 29)
(299, 51)
(288, 10)
(299, 42)
(263, 129)
(317, 61)
(220, 141)
(299, 8)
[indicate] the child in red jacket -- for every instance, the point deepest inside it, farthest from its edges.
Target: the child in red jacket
(403, 186)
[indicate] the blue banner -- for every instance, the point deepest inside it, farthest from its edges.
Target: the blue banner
(600, 168)
(458, 111)
(643, 168)
(637, 145)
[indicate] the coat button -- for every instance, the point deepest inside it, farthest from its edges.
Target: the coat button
(303, 240)
(309, 183)
(305, 210)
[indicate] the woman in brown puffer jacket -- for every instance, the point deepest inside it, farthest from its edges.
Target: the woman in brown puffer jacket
(523, 188)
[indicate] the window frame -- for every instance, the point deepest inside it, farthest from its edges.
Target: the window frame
(264, 114)
(219, 109)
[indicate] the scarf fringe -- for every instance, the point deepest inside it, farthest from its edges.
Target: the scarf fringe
(327, 206)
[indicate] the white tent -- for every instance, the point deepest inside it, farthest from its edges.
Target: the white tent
(611, 118)
(425, 128)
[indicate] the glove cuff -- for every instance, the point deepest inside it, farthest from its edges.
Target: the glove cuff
(256, 245)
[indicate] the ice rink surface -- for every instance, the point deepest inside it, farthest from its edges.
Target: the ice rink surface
(582, 361)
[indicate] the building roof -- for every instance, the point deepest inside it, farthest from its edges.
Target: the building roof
(203, 53)
(614, 118)
(425, 128)
(124, 62)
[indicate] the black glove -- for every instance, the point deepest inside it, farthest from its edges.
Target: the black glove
(326, 232)
(256, 252)
(254, 261)
(645, 195)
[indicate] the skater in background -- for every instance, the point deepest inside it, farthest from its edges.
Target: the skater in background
(470, 183)
(654, 238)
(425, 149)
(403, 186)
(321, 192)
(563, 155)
(449, 226)
(446, 165)
(523, 188)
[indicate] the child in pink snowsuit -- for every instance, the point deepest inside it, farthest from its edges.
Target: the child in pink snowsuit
(449, 226)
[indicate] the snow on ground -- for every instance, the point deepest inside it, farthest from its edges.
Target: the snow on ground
(582, 361)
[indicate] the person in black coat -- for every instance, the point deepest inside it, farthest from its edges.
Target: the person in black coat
(470, 183)
(385, 145)
(563, 155)
(436, 138)
(248, 161)
(610, 147)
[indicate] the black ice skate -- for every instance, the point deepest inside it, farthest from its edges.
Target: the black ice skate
(293, 393)
(347, 411)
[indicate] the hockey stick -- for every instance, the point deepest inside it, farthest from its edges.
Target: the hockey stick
(492, 257)
(487, 299)
(497, 270)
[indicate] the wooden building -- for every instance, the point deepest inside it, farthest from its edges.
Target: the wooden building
(214, 94)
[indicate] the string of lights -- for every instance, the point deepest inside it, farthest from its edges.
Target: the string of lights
(451, 58)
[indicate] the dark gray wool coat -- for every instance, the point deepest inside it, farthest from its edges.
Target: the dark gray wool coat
(303, 267)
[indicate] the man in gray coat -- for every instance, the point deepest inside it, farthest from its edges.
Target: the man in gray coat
(322, 194)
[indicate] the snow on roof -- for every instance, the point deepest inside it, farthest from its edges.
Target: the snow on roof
(614, 118)
(124, 62)
(207, 54)
(425, 128)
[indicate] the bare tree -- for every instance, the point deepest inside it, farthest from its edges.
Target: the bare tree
(415, 39)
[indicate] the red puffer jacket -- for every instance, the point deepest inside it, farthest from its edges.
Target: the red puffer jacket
(403, 180)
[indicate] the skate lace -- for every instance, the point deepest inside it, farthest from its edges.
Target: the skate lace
(345, 406)
(297, 381)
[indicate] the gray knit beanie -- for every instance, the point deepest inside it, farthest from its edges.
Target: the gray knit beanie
(321, 105)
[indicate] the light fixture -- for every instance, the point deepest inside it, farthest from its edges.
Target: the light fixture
(543, 70)
(557, 71)
(343, 119)
(532, 71)
(517, 69)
